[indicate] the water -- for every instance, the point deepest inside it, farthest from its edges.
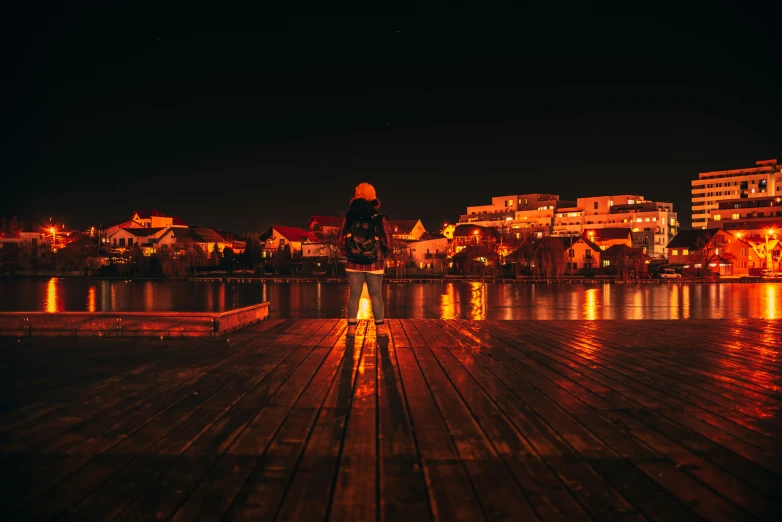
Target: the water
(446, 300)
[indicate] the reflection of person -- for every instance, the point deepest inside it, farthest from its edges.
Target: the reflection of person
(365, 204)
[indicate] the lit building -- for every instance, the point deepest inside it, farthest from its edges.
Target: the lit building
(652, 223)
(151, 218)
(517, 214)
(410, 229)
(277, 238)
(473, 235)
(725, 253)
(744, 215)
(711, 188)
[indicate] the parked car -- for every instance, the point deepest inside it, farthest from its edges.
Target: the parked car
(670, 274)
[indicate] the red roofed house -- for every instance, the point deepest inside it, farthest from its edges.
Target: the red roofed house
(277, 238)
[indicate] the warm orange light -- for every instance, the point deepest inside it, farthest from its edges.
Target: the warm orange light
(51, 230)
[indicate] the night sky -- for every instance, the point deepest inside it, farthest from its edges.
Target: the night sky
(238, 120)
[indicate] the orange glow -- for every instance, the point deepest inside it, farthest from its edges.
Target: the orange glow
(590, 304)
(91, 298)
(478, 301)
(772, 310)
(364, 305)
(448, 304)
(51, 296)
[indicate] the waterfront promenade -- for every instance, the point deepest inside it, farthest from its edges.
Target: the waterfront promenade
(449, 420)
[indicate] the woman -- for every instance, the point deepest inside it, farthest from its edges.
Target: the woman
(365, 257)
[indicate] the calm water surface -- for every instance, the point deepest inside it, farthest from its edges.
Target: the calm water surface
(447, 300)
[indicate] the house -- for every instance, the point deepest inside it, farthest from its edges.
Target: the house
(473, 235)
(429, 251)
(205, 238)
(608, 237)
(237, 243)
(322, 226)
(721, 251)
(151, 218)
(279, 237)
(410, 229)
(764, 251)
(127, 238)
(580, 253)
(624, 259)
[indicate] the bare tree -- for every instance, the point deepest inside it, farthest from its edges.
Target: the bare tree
(549, 258)
(708, 251)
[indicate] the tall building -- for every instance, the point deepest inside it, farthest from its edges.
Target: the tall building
(653, 224)
(761, 181)
(517, 214)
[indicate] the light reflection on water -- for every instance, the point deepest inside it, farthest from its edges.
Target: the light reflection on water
(446, 300)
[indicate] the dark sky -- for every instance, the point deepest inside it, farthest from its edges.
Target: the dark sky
(239, 120)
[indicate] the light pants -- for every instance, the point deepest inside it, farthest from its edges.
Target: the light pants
(374, 288)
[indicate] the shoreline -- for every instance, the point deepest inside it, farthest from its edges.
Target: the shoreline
(249, 278)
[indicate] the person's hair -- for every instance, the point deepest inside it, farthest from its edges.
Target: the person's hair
(375, 202)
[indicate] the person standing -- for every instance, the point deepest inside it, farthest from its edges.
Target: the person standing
(365, 240)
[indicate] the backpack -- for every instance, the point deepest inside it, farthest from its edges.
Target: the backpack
(362, 240)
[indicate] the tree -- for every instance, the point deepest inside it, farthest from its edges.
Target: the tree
(215, 257)
(228, 259)
(549, 258)
(710, 251)
(628, 261)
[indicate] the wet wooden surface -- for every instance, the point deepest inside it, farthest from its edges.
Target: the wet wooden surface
(450, 420)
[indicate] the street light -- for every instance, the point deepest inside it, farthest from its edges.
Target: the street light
(53, 230)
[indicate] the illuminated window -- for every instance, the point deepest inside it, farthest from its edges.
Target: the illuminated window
(630, 201)
(735, 216)
(717, 217)
(685, 252)
(674, 252)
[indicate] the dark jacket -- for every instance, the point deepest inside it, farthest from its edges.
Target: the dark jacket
(363, 208)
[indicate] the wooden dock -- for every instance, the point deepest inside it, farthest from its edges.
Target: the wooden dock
(122, 324)
(450, 420)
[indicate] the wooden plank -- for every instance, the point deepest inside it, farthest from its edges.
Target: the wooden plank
(454, 498)
(117, 353)
(498, 491)
(688, 414)
(210, 492)
(198, 441)
(678, 376)
(116, 394)
(209, 458)
(654, 464)
(355, 490)
(175, 409)
(565, 452)
(616, 411)
(402, 486)
(311, 488)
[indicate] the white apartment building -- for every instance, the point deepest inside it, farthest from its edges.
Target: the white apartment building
(761, 181)
(517, 214)
(653, 223)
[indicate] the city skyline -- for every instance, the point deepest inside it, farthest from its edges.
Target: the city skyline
(240, 127)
